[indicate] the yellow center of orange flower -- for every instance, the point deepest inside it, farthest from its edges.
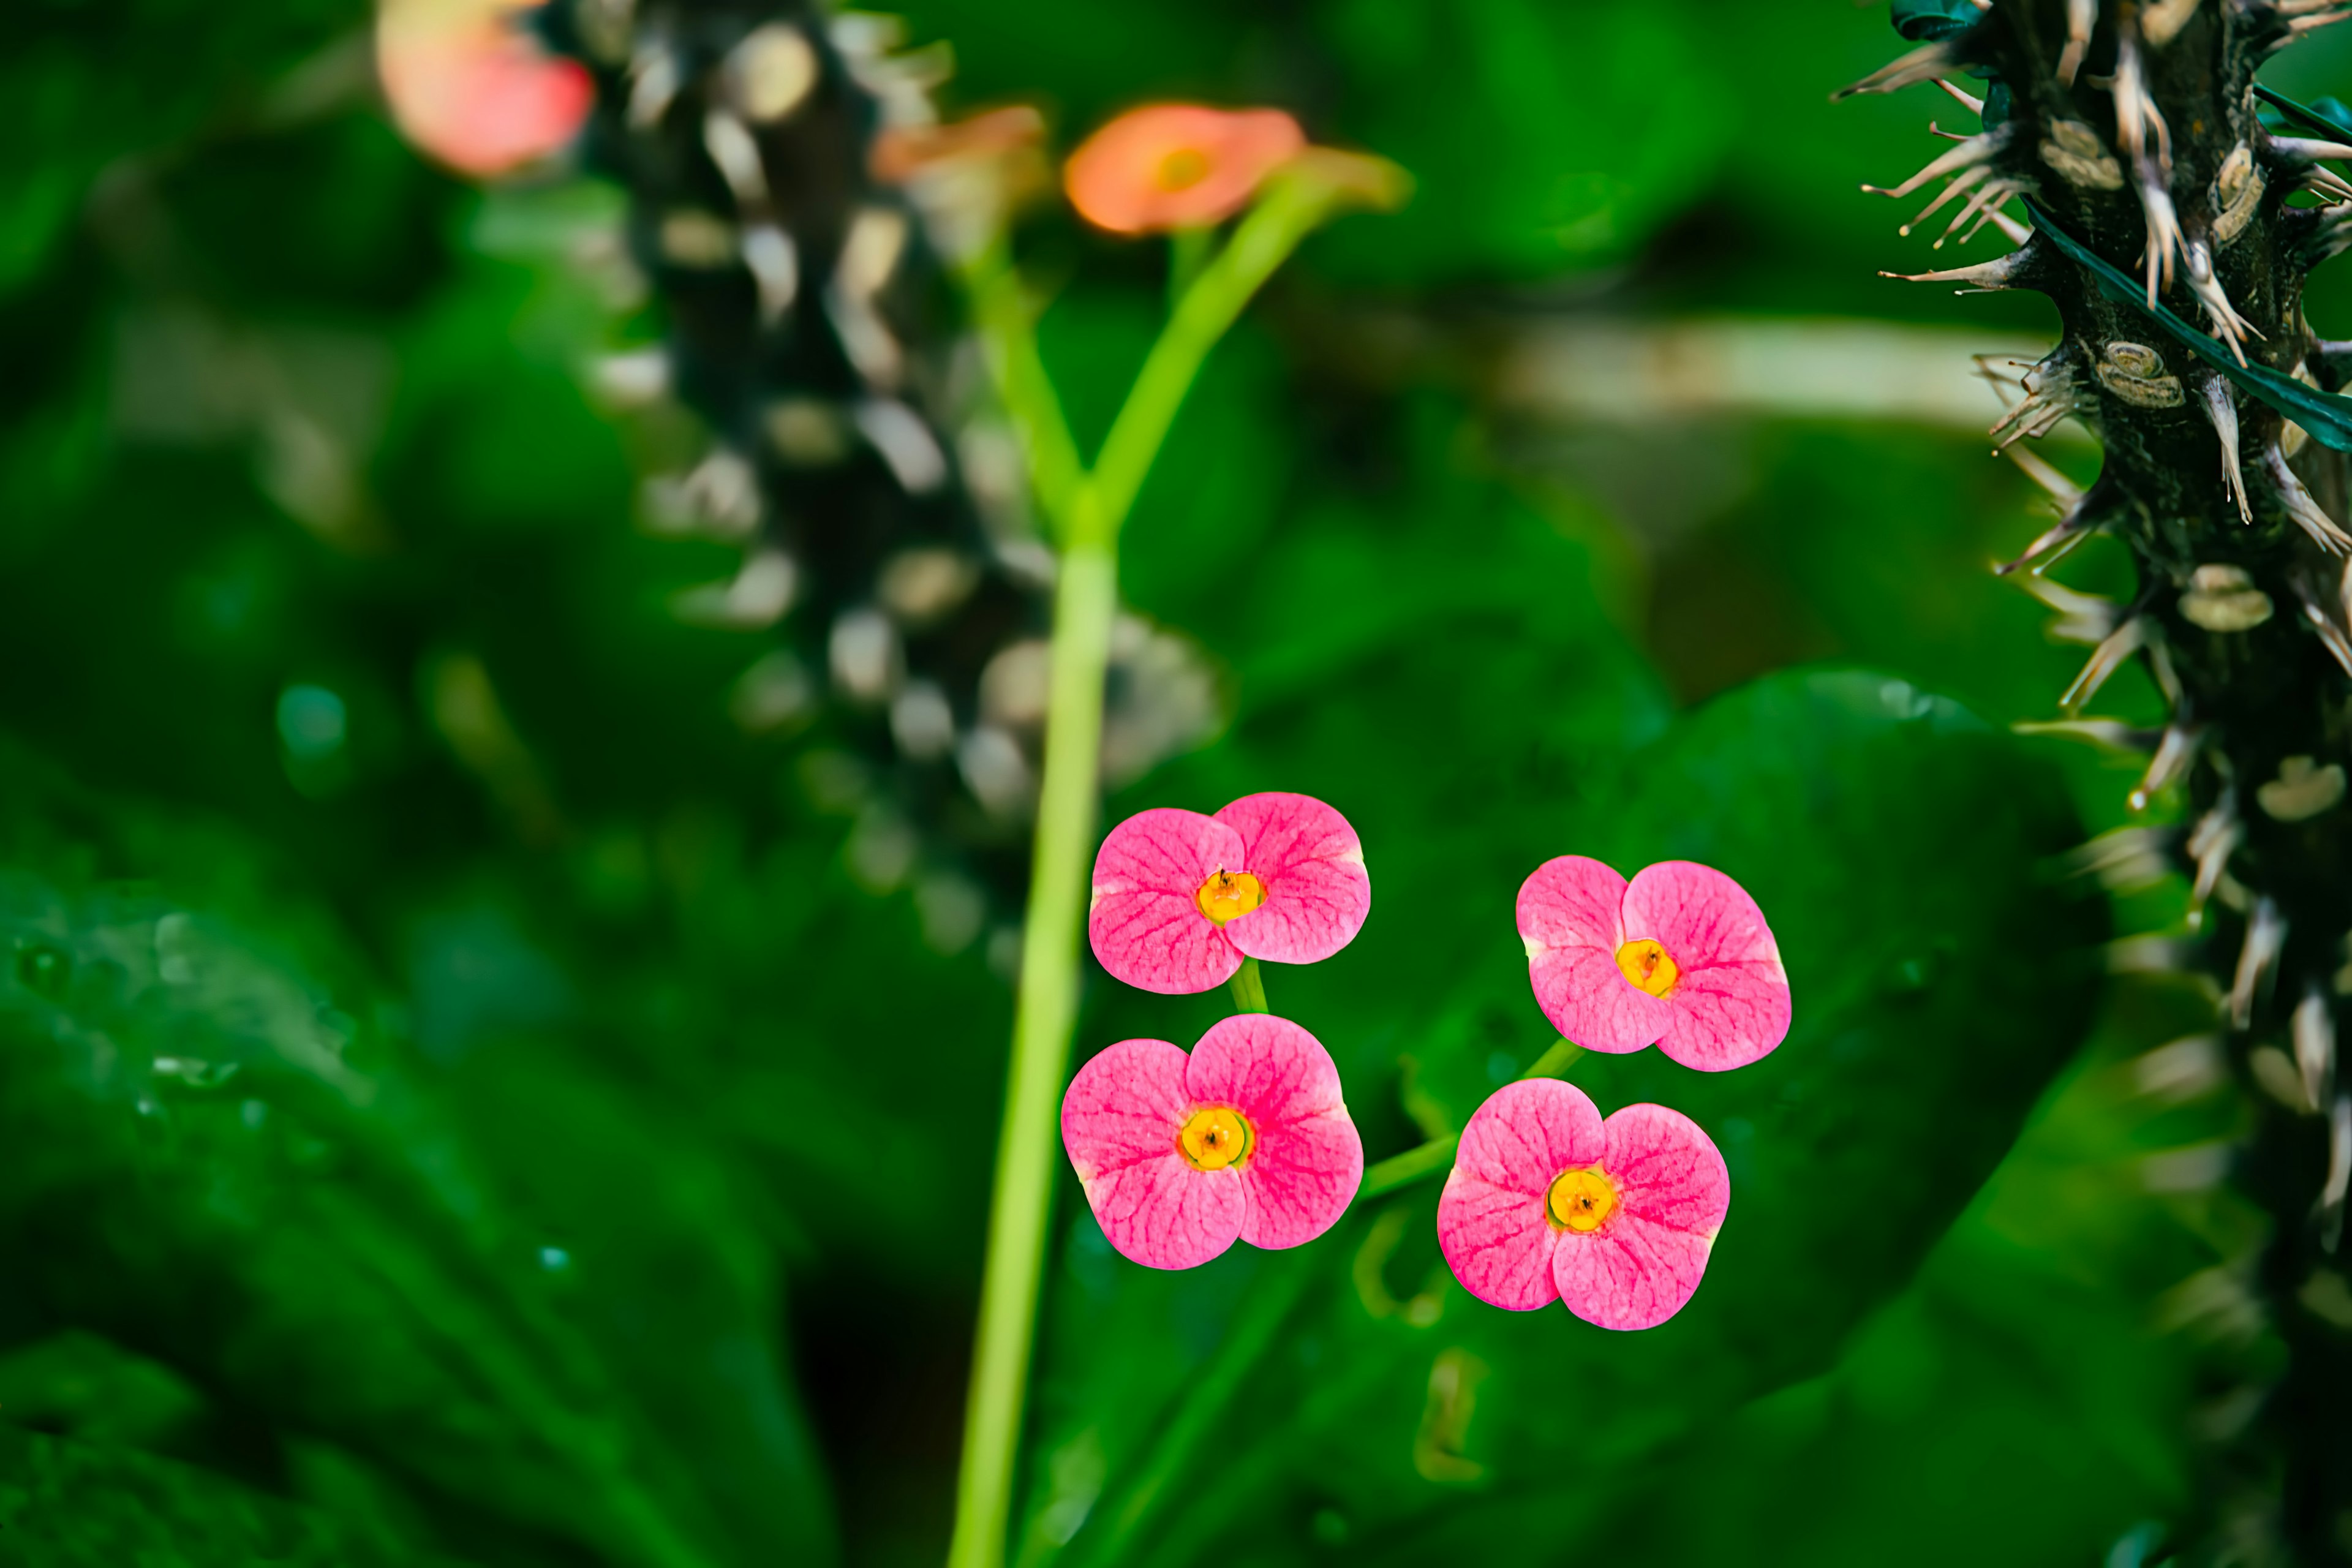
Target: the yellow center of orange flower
(1214, 1138)
(1229, 895)
(1581, 1200)
(1183, 169)
(1645, 963)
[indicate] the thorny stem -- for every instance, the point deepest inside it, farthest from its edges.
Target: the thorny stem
(2134, 128)
(1087, 510)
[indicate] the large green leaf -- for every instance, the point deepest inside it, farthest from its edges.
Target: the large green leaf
(1348, 1395)
(222, 1164)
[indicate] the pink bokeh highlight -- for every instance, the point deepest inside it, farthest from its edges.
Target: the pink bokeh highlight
(1125, 1110)
(1145, 921)
(468, 83)
(1642, 1261)
(1729, 1003)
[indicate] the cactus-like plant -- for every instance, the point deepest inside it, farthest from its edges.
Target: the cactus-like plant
(2175, 210)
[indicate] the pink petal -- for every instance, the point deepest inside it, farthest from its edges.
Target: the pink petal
(1588, 998)
(1125, 1107)
(1727, 1016)
(1119, 1121)
(1165, 1214)
(1667, 1169)
(1491, 1222)
(1701, 916)
(1301, 1176)
(1497, 1242)
(1571, 902)
(1628, 1274)
(1312, 866)
(1642, 1264)
(1268, 1068)
(1144, 923)
(1305, 1160)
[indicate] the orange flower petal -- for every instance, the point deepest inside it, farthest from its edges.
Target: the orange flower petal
(1176, 166)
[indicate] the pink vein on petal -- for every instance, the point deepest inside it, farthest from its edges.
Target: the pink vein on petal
(1300, 1177)
(1164, 1213)
(1727, 1016)
(1571, 902)
(1311, 864)
(1143, 921)
(1588, 998)
(1701, 916)
(1497, 1242)
(1125, 1107)
(1648, 1257)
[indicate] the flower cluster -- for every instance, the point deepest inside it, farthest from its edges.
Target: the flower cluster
(1247, 1137)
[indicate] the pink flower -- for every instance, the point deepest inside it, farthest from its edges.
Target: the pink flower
(1679, 957)
(470, 85)
(1180, 899)
(1247, 1137)
(1548, 1202)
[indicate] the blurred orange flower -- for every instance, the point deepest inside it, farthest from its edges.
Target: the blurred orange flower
(469, 84)
(1176, 166)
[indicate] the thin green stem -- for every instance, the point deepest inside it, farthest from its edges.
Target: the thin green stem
(1188, 252)
(1043, 1014)
(1403, 1170)
(1087, 510)
(1249, 989)
(1000, 310)
(1262, 242)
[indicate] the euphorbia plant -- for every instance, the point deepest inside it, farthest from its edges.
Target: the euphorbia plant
(2175, 208)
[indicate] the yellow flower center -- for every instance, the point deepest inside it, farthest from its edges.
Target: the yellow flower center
(1581, 1200)
(1214, 1138)
(1229, 895)
(1645, 963)
(1183, 169)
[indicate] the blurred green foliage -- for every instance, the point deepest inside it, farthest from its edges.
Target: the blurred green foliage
(505, 1132)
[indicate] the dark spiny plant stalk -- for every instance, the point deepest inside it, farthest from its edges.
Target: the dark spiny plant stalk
(2158, 196)
(811, 327)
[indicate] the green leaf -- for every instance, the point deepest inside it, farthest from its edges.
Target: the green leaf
(1924, 21)
(223, 1165)
(2326, 415)
(68, 1504)
(1349, 1393)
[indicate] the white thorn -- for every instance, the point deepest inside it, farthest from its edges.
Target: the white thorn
(2265, 935)
(2083, 618)
(1966, 179)
(2299, 506)
(2339, 1168)
(2109, 735)
(2222, 410)
(2173, 754)
(2081, 15)
(2216, 837)
(2105, 659)
(1967, 101)
(2315, 1046)
(1974, 150)
(1926, 61)
(1993, 274)
(2063, 490)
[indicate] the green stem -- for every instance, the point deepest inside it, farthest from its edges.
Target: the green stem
(1000, 310)
(1264, 239)
(1089, 509)
(1084, 602)
(1188, 252)
(1403, 1170)
(1249, 989)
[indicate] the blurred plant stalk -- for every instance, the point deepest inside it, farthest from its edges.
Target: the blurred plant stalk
(1084, 510)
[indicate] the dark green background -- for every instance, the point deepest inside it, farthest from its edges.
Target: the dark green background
(562, 1160)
